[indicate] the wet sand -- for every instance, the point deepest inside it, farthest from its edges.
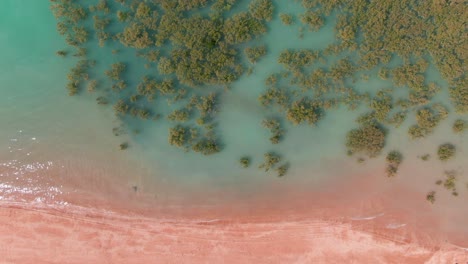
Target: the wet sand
(352, 222)
(49, 236)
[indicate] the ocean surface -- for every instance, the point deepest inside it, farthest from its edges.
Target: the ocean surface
(55, 148)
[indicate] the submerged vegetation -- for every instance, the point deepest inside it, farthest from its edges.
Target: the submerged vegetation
(430, 197)
(123, 146)
(244, 162)
(275, 128)
(425, 157)
(450, 182)
(178, 136)
(287, 19)
(194, 51)
(369, 140)
(446, 151)
(61, 53)
(459, 126)
(270, 161)
(189, 44)
(427, 119)
(302, 111)
(282, 170)
(394, 159)
(255, 53)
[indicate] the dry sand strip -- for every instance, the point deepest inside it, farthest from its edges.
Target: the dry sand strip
(31, 234)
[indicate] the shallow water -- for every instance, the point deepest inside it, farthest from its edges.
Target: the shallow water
(55, 148)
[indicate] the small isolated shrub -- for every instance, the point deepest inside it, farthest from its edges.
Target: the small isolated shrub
(446, 151)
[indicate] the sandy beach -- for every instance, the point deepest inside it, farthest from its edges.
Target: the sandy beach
(281, 88)
(331, 226)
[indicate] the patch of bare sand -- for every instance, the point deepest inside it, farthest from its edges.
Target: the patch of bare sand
(359, 221)
(32, 235)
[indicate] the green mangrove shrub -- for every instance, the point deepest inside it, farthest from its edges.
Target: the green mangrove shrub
(368, 139)
(446, 151)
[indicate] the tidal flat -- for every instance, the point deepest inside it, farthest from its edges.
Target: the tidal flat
(266, 107)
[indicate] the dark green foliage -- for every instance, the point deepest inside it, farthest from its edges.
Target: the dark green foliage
(206, 147)
(120, 85)
(165, 66)
(241, 28)
(223, 5)
(122, 16)
(282, 170)
(342, 69)
(255, 53)
(295, 59)
(166, 87)
(134, 98)
(394, 159)
(121, 107)
(287, 19)
(270, 161)
(148, 87)
(446, 151)
(245, 162)
(410, 75)
(178, 136)
(181, 115)
(143, 113)
(135, 36)
(276, 96)
(69, 14)
(92, 84)
(68, 11)
(459, 126)
(80, 36)
(115, 73)
(206, 104)
(426, 157)
(361, 160)
(303, 110)
(384, 73)
(382, 105)
(368, 139)
(450, 180)
(261, 9)
(197, 44)
(313, 19)
(117, 131)
(196, 48)
(100, 24)
(459, 94)
(77, 74)
(275, 128)
(430, 197)
(61, 53)
(427, 119)
(366, 119)
(102, 100)
(123, 146)
(80, 52)
(397, 119)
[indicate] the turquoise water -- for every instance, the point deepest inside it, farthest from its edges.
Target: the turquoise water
(46, 136)
(43, 126)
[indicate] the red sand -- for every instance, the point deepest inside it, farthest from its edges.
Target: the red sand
(354, 222)
(37, 236)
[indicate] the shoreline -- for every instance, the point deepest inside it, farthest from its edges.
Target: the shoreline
(85, 236)
(330, 225)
